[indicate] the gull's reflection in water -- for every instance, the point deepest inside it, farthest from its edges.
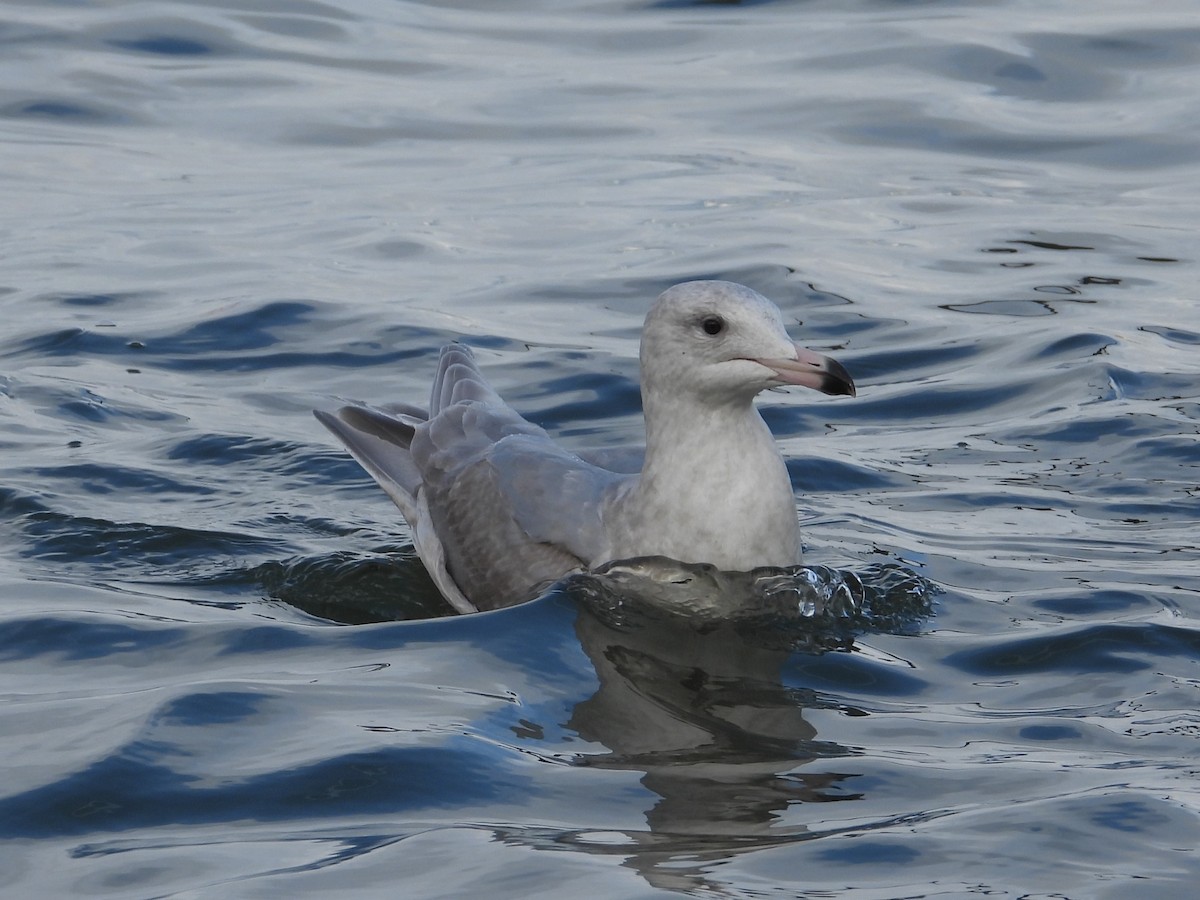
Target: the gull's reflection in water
(691, 695)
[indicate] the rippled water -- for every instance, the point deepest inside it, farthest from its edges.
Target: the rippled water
(224, 673)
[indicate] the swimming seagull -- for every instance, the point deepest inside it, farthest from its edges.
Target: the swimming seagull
(499, 511)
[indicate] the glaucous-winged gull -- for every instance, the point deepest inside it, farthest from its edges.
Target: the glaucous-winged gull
(498, 510)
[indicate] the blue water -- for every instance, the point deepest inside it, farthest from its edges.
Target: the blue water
(224, 674)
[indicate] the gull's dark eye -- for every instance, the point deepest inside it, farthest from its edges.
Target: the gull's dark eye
(713, 325)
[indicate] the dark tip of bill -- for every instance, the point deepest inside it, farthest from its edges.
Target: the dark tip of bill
(837, 381)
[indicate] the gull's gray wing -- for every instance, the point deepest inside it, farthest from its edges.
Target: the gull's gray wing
(513, 510)
(498, 510)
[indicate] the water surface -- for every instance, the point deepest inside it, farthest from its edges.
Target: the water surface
(226, 675)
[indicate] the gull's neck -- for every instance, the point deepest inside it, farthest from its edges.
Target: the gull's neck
(713, 489)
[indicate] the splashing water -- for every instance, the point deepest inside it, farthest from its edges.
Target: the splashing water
(830, 604)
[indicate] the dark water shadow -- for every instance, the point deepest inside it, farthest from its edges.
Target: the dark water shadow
(692, 696)
(704, 717)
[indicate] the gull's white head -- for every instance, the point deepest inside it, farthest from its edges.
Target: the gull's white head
(724, 342)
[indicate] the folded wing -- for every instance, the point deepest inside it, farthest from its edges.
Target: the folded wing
(498, 511)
